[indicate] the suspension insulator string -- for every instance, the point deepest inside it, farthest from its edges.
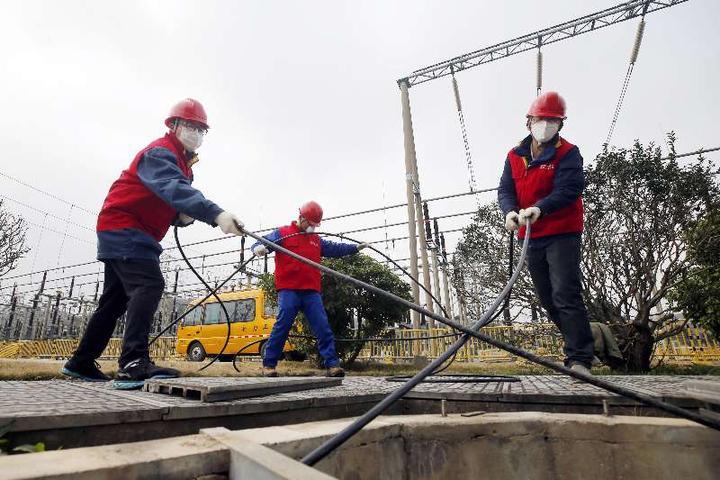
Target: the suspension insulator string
(626, 82)
(466, 139)
(539, 72)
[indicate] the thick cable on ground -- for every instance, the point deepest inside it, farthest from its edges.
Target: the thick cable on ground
(349, 431)
(326, 448)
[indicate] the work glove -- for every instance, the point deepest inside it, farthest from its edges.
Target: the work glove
(512, 221)
(261, 250)
(362, 245)
(229, 223)
(529, 215)
(183, 220)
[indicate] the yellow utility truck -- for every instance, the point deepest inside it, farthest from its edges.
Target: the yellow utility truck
(204, 330)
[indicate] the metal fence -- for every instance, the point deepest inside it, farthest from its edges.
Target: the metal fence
(54, 317)
(693, 345)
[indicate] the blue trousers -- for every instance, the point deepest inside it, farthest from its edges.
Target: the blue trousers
(290, 302)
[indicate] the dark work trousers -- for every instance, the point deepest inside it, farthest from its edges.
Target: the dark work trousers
(131, 286)
(555, 272)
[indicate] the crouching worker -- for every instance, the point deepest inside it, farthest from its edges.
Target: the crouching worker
(154, 193)
(298, 286)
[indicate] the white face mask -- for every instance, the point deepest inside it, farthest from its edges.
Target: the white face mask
(542, 130)
(310, 229)
(190, 138)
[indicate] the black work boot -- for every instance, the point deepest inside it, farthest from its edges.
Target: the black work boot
(142, 369)
(89, 372)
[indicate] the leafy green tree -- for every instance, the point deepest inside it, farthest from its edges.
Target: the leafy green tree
(638, 204)
(348, 305)
(698, 294)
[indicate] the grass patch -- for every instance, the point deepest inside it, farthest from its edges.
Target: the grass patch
(40, 369)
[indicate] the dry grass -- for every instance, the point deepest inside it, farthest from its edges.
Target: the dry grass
(40, 369)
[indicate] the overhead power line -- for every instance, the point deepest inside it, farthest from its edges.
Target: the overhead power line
(65, 220)
(51, 195)
(362, 212)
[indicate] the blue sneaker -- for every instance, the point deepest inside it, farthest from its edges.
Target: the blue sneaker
(89, 372)
(127, 384)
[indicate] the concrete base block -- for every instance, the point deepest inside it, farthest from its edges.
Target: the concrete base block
(528, 445)
(250, 460)
(172, 458)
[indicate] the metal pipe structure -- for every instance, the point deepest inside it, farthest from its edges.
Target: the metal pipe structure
(409, 188)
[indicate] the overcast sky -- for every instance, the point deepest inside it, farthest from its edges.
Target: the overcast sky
(303, 102)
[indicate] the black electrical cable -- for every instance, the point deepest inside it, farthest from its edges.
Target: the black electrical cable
(341, 437)
(344, 237)
(343, 340)
(441, 368)
(214, 294)
(434, 378)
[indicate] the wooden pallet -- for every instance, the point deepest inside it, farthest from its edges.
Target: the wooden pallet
(218, 389)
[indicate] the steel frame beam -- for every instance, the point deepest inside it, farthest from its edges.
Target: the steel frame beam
(563, 31)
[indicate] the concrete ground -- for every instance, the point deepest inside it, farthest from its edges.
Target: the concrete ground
(63, 413)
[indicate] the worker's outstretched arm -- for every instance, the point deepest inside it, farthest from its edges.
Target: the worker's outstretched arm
(335, 249)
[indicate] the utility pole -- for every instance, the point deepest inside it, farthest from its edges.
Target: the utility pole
(409, 190)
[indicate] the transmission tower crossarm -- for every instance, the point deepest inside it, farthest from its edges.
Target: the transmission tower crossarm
(588, 23)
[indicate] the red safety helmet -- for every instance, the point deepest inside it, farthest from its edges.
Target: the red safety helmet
(312, 212)
(549, 104)
(188, 109)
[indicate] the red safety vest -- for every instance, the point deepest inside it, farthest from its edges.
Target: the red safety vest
(292, 274)
(130, 204)
(535, 183)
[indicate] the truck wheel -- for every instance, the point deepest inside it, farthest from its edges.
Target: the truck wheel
(196, 352)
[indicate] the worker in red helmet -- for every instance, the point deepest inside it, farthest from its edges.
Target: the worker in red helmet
(152, 194)
(542, 184)
(298, 286)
